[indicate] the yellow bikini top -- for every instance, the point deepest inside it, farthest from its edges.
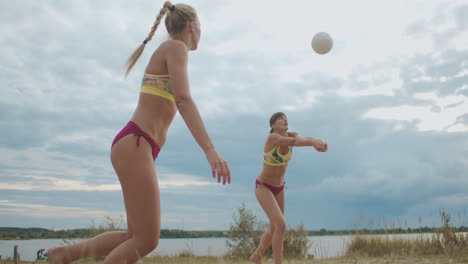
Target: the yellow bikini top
(157, 85)
(275, 158)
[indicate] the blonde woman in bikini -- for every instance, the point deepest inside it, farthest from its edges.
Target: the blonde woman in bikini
(164, 91)
(269, 186)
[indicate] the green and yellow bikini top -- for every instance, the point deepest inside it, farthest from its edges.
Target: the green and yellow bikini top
(275, 158)
(157, 85)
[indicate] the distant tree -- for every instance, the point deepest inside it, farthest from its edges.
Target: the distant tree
(296, 243)
(109, 224)
(245, 233)
(242, 235)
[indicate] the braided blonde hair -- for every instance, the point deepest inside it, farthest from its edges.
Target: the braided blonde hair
(176, 20)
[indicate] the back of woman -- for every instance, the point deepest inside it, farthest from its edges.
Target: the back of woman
(165, 78)
(164, 90)
(155, 113)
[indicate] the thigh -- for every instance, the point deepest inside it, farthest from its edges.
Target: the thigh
(280, 200)
(137, 174)
(269, 204)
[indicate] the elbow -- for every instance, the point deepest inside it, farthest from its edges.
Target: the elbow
(181, 101)
(294, 142)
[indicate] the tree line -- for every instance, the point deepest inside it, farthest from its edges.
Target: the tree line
(11, 233)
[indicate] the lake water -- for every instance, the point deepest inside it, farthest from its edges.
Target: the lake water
(322, 246)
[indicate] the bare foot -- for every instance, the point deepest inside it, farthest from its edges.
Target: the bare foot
(256, 258)
(58, 255)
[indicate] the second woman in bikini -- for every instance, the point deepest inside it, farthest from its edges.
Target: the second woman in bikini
(270, 184)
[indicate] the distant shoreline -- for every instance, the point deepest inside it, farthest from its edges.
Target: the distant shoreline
(17, 233)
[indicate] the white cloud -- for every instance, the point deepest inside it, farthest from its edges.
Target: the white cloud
(181, 180)
(43, 183)
(303, 101)
(450, 108)
(37, 181)
(46, 211)
(382, 78)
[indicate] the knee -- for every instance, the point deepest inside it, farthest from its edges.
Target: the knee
(153, 243)
(271, 230)
(146, 243)
(129, 234)
(279, 225)
(125, 235)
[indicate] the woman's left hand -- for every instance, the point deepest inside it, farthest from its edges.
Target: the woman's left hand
(320, 146)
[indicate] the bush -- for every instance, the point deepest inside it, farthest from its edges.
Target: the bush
(296, 243)
(451, 241)
(246, 231)
(242, 236)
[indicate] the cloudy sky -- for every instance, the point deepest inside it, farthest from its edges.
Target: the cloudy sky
(390, 100)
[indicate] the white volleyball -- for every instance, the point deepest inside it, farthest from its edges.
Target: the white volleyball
(322, 43)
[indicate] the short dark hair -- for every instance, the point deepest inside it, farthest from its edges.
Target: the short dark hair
(274, 117)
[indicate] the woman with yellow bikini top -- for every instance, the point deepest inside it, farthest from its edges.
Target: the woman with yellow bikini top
(164, 91)
(269, 186)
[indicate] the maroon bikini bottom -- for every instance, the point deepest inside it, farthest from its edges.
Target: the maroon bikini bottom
(274, 190)
(132, 128)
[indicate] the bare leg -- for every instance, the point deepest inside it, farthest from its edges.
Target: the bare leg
(137, 175)
(274, 208)
(265, 242)
(100, 245)
(135, 168)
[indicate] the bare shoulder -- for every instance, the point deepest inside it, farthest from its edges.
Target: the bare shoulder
(278, 139)
(273, 136)
(293, 134)
(174, 45)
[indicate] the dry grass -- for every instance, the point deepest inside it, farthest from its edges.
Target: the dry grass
(445, 242)
(441, 259)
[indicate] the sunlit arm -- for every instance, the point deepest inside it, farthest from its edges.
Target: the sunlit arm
(177, 67)
(303, 141)
(318, 144)
(189, 112)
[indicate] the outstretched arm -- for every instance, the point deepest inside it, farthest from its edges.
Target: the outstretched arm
(177, 60)
(301, 141)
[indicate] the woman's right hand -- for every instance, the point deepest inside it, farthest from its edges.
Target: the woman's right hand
(219, 167)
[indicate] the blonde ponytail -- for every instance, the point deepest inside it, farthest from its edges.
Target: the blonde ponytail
(137, 53)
